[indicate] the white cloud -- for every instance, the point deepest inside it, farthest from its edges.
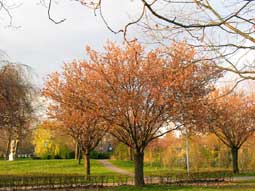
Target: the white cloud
(44, 45)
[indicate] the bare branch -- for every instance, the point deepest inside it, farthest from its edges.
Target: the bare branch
(49, 15)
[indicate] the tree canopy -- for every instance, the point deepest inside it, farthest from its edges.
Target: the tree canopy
(138, 94)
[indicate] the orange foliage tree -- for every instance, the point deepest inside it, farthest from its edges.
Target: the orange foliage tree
(231, 119)
(86, 128)
(138, 93)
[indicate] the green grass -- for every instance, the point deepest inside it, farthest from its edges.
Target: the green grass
(43, 167)
(148, 169)
(70, 167)
(245, 174)
(183, 188)
(241, 186)
(155, 170)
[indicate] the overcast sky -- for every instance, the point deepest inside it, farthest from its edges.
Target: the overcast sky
(45, 46)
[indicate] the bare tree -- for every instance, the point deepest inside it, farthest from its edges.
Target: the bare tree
(6, 11)
(224, 30)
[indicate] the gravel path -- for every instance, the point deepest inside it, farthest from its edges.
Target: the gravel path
(113, 168)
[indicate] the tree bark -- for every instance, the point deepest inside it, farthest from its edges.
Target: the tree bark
(234, 151)
(131, 154)
(16, 149)
(86, 160)
(187, 153)
(13, 149)
(8, 148)
(139, 163)
(78, 153)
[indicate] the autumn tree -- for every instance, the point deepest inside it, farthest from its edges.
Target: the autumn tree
(50, 141)
(139, 93)
(231, 119)
(84, 126)
(164, 152)
(192, 123)
(16, 110)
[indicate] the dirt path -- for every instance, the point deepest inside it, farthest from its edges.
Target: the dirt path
(113, 168)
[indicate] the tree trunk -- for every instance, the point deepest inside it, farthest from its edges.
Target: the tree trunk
(131, 154)
(13, 149)
(76, 151)
(187, 154)
(86, 160)
(8, 148)
(139, 162)
(79, 155)
(16, 149)
(234, 151)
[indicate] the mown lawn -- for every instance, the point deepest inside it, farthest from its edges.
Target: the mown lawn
(183, 188)
(30, 166)
(148, 169)
(234, 187)
(155, 170)
(42, 167)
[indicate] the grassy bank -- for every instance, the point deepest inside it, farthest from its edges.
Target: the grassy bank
(20, 167)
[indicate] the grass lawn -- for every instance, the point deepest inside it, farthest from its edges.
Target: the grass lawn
(148, 169)
(246, 174)
(40, 167)
(236, 186)
(154, 170)
(44, 167)
(29, 166)
(183, 188)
